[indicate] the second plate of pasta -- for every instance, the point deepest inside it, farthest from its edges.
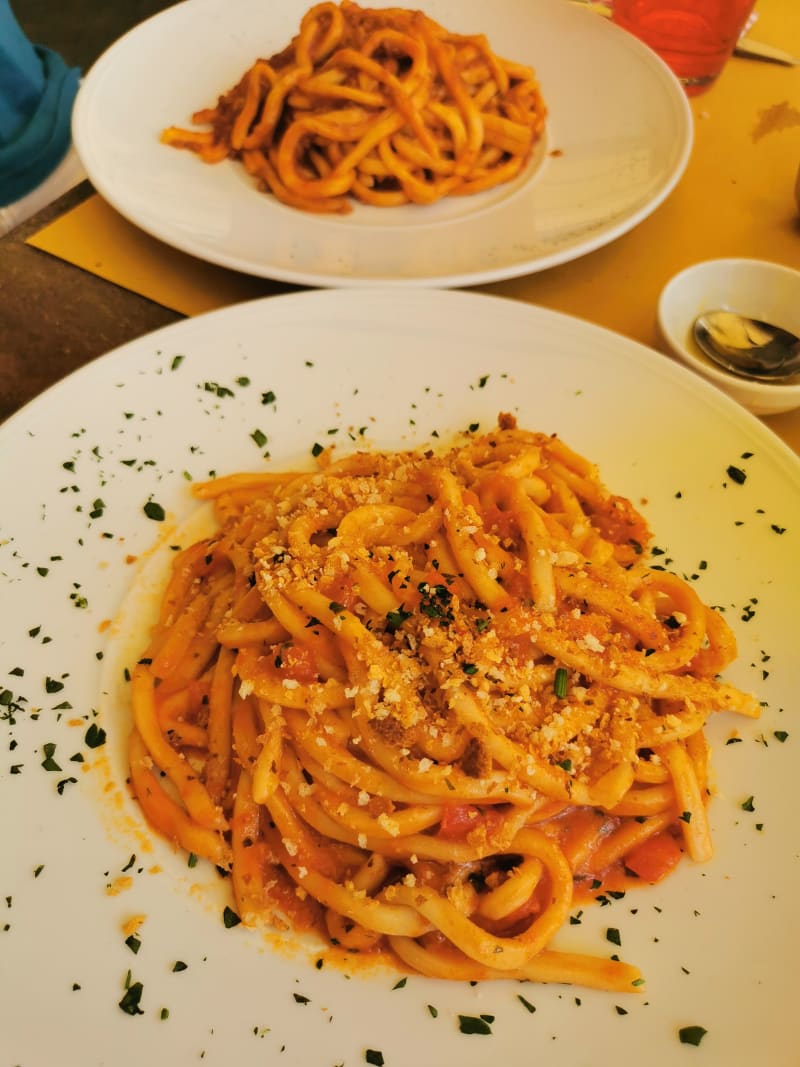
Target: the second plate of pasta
(338, 145)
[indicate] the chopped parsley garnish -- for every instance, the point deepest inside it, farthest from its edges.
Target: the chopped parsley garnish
(612, 935)
(471, 1024)
(737, 474)
(691, 1035)
(395, 619)
(375, 1057)
(132, 998)
(526, 1003)
(230, 918)
(748, 805)
(95, 736)
(154, 511)
(560, 682)
(48, 750)
(435, 603)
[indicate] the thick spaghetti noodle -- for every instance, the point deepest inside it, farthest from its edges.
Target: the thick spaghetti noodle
(382, 105)
(424, 703)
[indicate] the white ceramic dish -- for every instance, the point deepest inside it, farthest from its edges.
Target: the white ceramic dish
(751, 287)
(718, 944)
(618, 121)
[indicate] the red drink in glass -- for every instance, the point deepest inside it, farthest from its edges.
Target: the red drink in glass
(694, 37)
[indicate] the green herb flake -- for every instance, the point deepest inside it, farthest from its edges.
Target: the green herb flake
(433, 1011)
(737, 475)
(395, 619)
(192, 860)
(179, 965)
(268, 397)
(401, 984)
(230, 918)
(259, 437)
(780, 735)
(471, 1024)
(300, 999)
(163, 1014)
(691, 1035)
(685, 816)
(526, 1003)
(95, 736)
(48, 751)
(748, 805)
(375, 1057)
(560, 682)
(154, 511)
(132, 998)
(176, 362)
(612, 935)
(133, 943)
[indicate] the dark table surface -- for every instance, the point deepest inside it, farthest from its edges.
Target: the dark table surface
(55, 317)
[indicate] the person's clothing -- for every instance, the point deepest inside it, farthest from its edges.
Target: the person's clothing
(37, 91)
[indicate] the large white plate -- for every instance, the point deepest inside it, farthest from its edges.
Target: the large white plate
(619, 127)
(718, 944)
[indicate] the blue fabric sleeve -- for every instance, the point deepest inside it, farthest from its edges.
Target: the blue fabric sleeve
(37, 91)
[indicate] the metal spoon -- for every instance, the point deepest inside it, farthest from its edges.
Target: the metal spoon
(748, 347)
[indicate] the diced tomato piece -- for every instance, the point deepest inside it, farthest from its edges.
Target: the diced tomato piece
(502, 523)
(298, 662)
(340, 590)
(654, 858)
(458, 820)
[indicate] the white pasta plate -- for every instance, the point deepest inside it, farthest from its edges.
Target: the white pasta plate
(84, 471)
(618, 137)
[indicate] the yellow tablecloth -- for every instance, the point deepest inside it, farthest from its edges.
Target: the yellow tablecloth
(735, 199)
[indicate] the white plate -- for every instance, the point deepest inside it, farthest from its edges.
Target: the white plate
(619, 123)
(718, 944)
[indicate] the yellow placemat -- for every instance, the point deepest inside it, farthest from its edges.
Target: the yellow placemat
(735, 199)
(98, 239)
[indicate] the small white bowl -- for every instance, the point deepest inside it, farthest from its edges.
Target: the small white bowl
(751, 287)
